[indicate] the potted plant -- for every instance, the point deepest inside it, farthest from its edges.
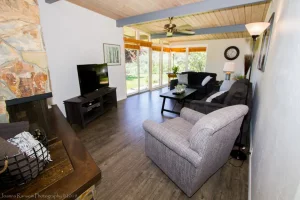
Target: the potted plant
(238, 77)
(175, 69)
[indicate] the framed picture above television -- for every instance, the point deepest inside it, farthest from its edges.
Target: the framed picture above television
(112, 54)
(265, 45)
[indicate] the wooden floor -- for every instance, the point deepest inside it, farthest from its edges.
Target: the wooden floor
(116, 142)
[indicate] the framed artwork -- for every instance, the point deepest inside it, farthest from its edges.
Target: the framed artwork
(265, 45)
(112, 54)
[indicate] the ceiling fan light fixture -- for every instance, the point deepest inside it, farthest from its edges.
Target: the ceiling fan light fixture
(169, 34)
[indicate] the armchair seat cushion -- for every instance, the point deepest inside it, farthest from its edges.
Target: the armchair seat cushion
(179, 126)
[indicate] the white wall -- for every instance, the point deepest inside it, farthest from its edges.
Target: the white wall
(275, 164)
(74, 35)
(215, 54)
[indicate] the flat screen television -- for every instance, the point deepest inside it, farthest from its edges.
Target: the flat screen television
(92, 77)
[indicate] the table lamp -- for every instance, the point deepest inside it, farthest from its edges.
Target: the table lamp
(229, 68)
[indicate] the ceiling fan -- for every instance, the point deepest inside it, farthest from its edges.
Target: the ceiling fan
(172, 28)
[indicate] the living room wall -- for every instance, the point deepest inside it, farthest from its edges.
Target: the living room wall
(215, 53)
(74, 35)
(274, 163)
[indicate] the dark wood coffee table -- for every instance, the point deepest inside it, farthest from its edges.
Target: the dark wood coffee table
(181, 98)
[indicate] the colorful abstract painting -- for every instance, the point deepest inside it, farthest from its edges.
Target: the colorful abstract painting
(23, 59)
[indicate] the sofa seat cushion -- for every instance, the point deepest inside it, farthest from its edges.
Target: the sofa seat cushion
(237, 93)
(200, 89)
(179, 127)
(196, 86)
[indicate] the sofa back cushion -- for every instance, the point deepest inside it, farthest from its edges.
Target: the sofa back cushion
(226, 85)
(196, 78)
(217, 122)
(237, 93)
(182, 79)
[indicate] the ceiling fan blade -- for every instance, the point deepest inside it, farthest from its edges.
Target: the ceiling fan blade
(186, 32)
(186, 26)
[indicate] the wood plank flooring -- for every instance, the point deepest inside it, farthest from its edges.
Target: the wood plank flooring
(116, 142)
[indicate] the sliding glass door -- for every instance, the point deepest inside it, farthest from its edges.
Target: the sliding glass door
(144, 69)
(140, 78)
(155, 69)
(132, 72)
(165, 66)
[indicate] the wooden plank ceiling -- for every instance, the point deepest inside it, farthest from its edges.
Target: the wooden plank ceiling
(118, 9)
(226, 17)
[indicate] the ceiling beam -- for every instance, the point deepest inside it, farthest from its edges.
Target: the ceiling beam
(203, 31)
(199, 7)
(51, 1)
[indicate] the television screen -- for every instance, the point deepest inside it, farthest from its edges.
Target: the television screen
(92, 77)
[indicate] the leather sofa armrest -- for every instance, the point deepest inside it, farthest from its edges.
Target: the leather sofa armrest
(210, 86)
(205, 107)
(173, 83)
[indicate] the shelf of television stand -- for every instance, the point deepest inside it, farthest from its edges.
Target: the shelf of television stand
(92, 115)
(83, 110)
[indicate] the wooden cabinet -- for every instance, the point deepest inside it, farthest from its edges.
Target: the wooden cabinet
(82, 110)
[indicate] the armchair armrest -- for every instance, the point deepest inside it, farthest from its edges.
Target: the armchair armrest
(205, 107)
(190, 115)
(174, 142)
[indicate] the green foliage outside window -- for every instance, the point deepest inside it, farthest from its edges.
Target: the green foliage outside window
(197, 61)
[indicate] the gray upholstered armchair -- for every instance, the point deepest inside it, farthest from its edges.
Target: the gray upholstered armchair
(192, 147)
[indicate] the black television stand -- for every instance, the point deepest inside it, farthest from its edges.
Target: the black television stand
(82, 110)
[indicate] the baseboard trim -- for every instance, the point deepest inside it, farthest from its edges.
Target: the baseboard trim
(250, 164)
(249, 177)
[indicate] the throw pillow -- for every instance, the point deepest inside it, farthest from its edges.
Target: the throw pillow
(220, 99)
(10, 130)
(206, 80)
(26, 143)
(182, 78)
(209, 99)
(226, 85)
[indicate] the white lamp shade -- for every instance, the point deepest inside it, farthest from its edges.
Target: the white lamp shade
(229, 67)
(257, 28)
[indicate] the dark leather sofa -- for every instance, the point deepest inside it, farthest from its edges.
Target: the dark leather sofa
(236, 95)
(195, 80)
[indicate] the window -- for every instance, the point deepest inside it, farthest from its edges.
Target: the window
(138, 50)
(144, 36)
(144, 68)
(179, 59)
(130, 33)
(131, 65)
(197, 61)
(155, 68)
(165, 68)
